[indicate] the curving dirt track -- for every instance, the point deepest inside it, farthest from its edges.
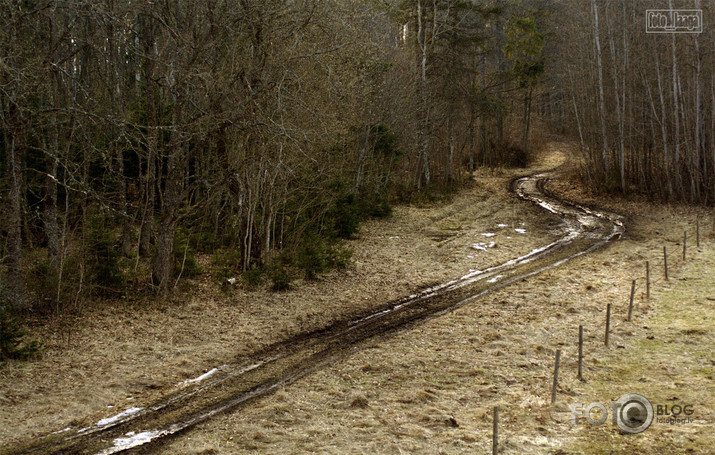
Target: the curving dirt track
(584, 229)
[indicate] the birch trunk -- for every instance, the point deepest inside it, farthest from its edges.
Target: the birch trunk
(601, 97)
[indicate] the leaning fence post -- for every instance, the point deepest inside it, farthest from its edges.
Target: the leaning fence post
(630, 304)
(647, 280)
(685, 243)
(665, 261)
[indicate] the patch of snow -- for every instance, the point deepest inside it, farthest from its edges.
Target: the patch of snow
(121, 415)
(494, 280)
(394, 237)
(61, 431)
(502, 225)
(132, 441)
(483, 246)
(488, 234)
(520, 230)
(200, 378)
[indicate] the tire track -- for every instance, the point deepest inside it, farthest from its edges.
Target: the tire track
(231, 386)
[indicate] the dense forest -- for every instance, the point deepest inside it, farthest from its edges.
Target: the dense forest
(138, 136)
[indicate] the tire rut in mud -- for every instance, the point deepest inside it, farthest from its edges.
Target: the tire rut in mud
(231, 386)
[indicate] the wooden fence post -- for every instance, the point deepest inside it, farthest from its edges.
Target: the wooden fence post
(556, 376)
(495, 432)
(608, 322)
(697, 231)
(630, 304)
(580, 353)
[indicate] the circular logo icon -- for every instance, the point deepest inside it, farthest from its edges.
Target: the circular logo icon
(635, 413)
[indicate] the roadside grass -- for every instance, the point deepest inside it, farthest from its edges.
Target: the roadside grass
(670, 364)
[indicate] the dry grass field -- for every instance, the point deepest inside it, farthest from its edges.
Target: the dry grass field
(427, 390)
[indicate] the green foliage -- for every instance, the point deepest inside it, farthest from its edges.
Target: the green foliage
(345, 216)
(377, 207)
(316, 255)
(385, 140)
(184, 255)
(252, 278)
(104, 267)
(525, 47)
(12, 339)
(279, 273)
(311, 257)
(227, 261)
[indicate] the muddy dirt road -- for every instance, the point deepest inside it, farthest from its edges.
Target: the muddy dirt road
(230, 386)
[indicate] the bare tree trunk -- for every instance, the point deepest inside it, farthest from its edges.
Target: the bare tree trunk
(619, 114)
(602, 102)
(472, 132)
(163, 258)
(663, 131)
(49, 215)
(147, 41)
(361, 159)
(676, 119)
(527, 119)
(423, 160)
(699, 115)
(586, 160)
(14, 220)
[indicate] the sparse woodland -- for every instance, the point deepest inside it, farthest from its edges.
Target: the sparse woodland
(641, 105)
(138, 136)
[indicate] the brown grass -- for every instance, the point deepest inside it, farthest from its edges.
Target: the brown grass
(431, 390)
(125, 353)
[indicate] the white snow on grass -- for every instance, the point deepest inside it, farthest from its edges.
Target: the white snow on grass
(520, 230)
(502, 225)
(494, 280)
(488, 234)
(61, 431)
(134, 440)
(200, 378)
(481, 246)
(121, 415)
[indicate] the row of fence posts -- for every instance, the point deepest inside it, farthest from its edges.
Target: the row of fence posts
(557, 363)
